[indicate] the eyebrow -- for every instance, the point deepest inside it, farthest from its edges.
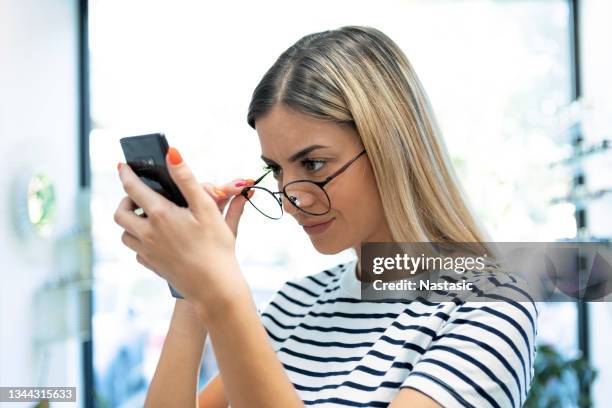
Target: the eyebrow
(298, 155)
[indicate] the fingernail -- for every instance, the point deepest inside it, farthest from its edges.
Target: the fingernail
(174, 156)
(219, 192)
(250, 193)
(119, 166)
(245, 183)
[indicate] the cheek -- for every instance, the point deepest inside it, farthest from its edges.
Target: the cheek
(359, 206)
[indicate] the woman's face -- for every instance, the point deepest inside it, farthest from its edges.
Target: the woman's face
(356, 213)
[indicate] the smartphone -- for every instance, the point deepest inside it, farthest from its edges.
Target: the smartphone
(146, 155)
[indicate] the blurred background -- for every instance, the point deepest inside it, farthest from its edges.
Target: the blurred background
(522, 91)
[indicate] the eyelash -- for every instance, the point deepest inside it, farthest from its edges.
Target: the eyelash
(304, 162)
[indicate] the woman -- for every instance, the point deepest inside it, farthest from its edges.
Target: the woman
(344, 104)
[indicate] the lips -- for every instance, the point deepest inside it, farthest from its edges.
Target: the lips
(315, 224)
(317, 228)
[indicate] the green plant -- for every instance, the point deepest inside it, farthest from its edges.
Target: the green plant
(559, 381)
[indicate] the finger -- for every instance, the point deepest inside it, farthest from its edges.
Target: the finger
(144, 196)
(220, 197)
(235, 187)
(126, 218)
(131, 241)
(234, 212)
(199, 203)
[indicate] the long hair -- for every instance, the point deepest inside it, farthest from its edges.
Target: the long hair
(357, 75)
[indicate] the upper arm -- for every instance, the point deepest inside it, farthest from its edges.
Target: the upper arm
(409, 397)
(213, 394)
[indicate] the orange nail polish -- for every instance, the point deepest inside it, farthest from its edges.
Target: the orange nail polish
(250, 182)
(219, 192)
(250, 193)
(174, 156)
(119, 166)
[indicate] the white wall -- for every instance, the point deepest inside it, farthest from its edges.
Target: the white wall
(38, 128)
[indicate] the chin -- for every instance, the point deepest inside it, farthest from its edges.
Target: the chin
(328, 247)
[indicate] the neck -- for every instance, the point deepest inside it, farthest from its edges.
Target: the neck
(382, 236)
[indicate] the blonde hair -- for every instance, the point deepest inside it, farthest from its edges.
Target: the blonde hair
(357, 75)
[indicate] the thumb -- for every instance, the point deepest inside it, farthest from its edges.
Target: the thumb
(199, 202)
(234, 212)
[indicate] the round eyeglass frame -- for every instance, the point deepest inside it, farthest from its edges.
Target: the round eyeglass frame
(277, 194)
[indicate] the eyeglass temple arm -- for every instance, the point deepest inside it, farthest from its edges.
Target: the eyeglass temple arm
(246, 189)
(261, 178)
(340, 170)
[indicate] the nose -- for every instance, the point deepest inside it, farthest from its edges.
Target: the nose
(301, 199)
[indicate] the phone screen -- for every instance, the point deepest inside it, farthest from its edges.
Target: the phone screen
(146, 155)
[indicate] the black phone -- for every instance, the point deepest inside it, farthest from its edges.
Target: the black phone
(146, 155)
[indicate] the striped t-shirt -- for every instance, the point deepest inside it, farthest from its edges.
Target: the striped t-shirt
(339, 350)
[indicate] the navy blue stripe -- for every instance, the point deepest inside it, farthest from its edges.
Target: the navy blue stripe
(350, 384)
(407, 311)
(342, 401)
(402, 364)
(310, 357)
(279, 324)
(479, 365)
(342, 329)
(442, 384)
(273, 336)
(465, 378)
(328, 273)
(441, 315)
(361, 367)
(308, 292)
(354, 315)
(414, 347)
(289, 298)
(276, 305)
(311, 293)
(348, 403)
(417, 327)
(315, 280)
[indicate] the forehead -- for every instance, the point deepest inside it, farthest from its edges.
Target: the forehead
(283, 131)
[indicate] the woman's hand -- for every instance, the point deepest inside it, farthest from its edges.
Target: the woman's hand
(192, 248)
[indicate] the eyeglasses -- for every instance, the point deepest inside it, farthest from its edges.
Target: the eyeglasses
(305, 195)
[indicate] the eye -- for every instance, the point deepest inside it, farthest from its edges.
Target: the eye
(313, 165)
(275, 169)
